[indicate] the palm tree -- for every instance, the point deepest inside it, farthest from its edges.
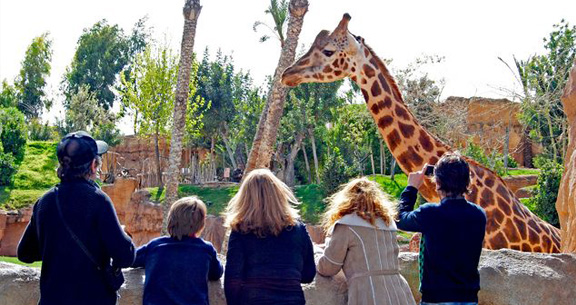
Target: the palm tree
(191, 12)
(267, 130)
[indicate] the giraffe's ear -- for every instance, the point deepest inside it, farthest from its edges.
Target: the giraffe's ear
(343, 25)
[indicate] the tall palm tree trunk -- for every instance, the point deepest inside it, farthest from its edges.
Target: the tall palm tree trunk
(191, 12)
(267, 130)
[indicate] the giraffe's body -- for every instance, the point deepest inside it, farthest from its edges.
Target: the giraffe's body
(340, 54)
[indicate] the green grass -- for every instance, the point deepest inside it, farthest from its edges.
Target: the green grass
(14, 260)
(392, 187)
(523, 171)
(216, 198)
(312, 204)
(36, 174)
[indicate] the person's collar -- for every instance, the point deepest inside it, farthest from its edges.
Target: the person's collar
(355, 220)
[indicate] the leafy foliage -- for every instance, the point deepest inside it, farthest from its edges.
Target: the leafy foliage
(543, 77)
(8, 95)
(31, 81)
(103, 51)
(494, 160)
(335, 172)
(7, 168)
(279, 12)
(13, 132)
(546, 192)
(41, 132)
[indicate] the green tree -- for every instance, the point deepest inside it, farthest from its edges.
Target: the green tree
(279, 12)
(546, 192)
(31, 81)
(8, 95)
(150, 92)
(85, 113)
(13, 132)
(543, 78)
(103, 51)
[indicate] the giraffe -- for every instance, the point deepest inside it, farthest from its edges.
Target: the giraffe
(340, 54)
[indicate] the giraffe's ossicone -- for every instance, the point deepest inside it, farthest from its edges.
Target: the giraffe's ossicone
(339, 54)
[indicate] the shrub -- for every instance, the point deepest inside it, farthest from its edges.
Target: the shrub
(7, 168)
(494, 161)
(42, 132)
(335, 172)
(546, 192)
(13, 132)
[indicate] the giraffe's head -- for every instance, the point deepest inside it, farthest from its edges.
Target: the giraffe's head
(333, 56)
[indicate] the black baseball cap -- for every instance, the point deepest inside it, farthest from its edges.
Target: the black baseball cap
(80, 148)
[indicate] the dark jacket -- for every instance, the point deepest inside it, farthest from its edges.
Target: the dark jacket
(68, 276)
(177, 270)
(450, 247)
(269, 270)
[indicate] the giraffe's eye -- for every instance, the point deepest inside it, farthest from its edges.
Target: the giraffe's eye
(328, 53)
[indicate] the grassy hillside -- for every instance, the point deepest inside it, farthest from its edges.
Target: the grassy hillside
(36, 174)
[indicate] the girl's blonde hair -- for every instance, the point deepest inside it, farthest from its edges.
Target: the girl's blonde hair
(360, 196)
(262, 205)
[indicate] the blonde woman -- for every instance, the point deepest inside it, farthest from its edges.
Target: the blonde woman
(269, 251)
(360, 223)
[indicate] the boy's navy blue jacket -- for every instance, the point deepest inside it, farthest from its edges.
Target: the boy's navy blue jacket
(450, 247)
(269, 270)
(68, 276)
(177, 271)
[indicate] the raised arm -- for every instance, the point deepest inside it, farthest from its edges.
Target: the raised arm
(335, 253)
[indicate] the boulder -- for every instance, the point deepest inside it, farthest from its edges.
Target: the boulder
(566, 202)
(506, 277)
(515, 183)
(142, 218)
(215, 232)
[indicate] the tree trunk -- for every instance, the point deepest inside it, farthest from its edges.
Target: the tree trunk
(290, 180)
(228, 148)
(158, 164)
(267, 131)
(307, 163)
(191, 12)
(314, 155)
(392, 168)
(382, 159)
(506, 144)
(372, 161)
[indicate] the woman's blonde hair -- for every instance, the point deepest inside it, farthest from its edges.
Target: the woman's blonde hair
(186, 217)
(262, 205)
(360, 196)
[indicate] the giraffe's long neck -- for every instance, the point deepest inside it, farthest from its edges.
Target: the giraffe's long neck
(510, 224)
(408, 141)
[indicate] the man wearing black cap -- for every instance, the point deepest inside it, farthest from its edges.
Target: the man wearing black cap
(74, 231)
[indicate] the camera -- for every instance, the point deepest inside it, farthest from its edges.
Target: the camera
(429, 171)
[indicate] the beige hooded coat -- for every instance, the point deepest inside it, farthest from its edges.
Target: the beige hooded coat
(368, 255)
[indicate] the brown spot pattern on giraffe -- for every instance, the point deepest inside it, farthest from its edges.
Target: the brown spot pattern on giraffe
(366, 52)
(393, 140)
(335, 63)
(502, 191)
(368, 71)
(365, 94)
(406, 130)
(526, 247)
(510, 231)
(499, 240)
(401, 112)
(410, 159)
(375, 90)
(384, 83)
(304, 62)
(487, 198)
(375, 109)
(473, 194)
(497, 216)
(440, 153)
(381, 105)
(489, 181)
(521, 226)
(387, 102)
(424, 139)
(327, 69)
(503, 205)
(337, 72)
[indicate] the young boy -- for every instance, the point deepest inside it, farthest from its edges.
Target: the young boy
(178, 266)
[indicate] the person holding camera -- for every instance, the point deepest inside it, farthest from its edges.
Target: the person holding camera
(452, 233)
(75, 232)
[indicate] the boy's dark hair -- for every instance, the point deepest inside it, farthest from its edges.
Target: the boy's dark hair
(186, 217)
(452, 174)
(68, 172)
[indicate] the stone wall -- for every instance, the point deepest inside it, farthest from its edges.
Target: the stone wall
(12, 226)
(486, 121)
(507, 277)
(566, 202)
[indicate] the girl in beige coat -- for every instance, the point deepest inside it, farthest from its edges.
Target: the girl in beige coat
(360, 223)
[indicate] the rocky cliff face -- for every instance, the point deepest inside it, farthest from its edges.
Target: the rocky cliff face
(506, 277)
(142, 218)
(12, 226)
(566, 202)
